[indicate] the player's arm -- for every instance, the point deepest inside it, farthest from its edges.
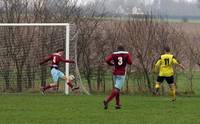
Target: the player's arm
(182, 66)
(109, 60)
(46, 60)
(177, 63)
(66, 61)
(129, 59)
(157, 65)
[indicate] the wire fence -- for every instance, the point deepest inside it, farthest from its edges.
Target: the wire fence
(23, 48)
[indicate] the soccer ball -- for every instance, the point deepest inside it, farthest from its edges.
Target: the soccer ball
(71, 77)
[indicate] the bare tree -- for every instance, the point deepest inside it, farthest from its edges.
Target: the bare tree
(5, 65)
(87, 27)
(141, 35)
(193, 58)
(101, 52)
(114, 36)
(16, 45)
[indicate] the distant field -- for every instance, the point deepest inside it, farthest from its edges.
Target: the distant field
(188, 21)
(60, 109)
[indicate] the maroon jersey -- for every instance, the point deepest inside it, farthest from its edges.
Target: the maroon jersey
(55, 60)
(119, 59)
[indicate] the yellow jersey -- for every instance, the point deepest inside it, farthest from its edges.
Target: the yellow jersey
(165, 65)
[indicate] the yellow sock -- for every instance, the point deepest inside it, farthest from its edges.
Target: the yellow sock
(173, 92)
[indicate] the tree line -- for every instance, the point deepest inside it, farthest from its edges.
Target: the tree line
(97, 36)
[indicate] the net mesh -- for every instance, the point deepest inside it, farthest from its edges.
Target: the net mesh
(24, 47)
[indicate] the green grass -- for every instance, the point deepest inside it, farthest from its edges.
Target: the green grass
(60, 109)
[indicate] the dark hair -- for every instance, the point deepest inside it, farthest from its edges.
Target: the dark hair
(120, 48)
(166, 49)
(60, 50)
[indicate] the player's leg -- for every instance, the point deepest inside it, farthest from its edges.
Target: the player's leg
(160, 79)
(117, 99)
(55, 77)
(68, 80)
(119, 84)
(52, 85)
(119, 80)
(172, 91)
(111, 96)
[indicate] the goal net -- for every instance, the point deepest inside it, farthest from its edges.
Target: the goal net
(24, 46)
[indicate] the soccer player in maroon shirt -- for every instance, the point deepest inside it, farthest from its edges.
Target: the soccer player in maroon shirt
(55, 59)
(119, 60)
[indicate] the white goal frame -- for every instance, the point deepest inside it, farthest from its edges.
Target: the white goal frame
(67, 29)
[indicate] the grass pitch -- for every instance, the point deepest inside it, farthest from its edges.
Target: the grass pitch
(60, 109)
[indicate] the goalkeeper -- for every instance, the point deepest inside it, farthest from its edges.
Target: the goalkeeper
(166, 72)
(56, 58)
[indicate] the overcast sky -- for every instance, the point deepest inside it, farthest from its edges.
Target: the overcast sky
(165, 7)
(146, 1)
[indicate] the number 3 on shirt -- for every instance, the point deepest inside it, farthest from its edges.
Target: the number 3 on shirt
(120, 60)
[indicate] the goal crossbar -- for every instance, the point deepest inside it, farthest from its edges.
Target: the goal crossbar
(66, 25)
(34, 24)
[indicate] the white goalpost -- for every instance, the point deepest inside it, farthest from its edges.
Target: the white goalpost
(67, 39)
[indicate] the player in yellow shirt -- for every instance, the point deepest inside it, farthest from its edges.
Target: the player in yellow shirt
(166, 72)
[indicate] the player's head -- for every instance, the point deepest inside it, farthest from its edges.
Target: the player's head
(120, 48)
(167, 49)
(60, 51)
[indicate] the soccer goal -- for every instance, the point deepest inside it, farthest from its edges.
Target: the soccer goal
(23, 45)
